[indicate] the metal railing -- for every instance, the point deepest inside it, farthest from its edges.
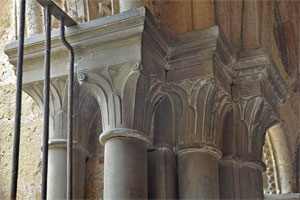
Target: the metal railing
(51, 9)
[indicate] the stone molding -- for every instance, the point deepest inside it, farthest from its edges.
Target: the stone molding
(62, 144)
(229, 160)
(205, 149)
(123, 132)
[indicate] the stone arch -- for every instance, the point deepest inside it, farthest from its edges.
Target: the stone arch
(279, 177)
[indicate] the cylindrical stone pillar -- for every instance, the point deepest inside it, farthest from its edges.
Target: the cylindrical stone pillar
(250, 180)
(240, 179)
(57, 170)
(125, 164)
(162, 174)
(198, 176)
(228, 179)
(129, 4)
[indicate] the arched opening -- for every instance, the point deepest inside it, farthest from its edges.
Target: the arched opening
(279, 177)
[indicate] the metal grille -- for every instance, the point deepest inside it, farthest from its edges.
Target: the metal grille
(50, 9)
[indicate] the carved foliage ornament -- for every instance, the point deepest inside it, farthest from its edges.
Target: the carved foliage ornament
(253, 117)
(125, 95)
(199, 105)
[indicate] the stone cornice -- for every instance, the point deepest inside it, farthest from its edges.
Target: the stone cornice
(201, 53)
(93, 41)
(258, 75)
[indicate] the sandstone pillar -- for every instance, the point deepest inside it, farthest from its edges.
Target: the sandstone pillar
(57, 170)
(258, 92)
(162, 174)
(129, 4)
(240, 179)
(57, 156)
(34, 22)
(198, 84)
(198, 174)
(125, 167)
(122, 101)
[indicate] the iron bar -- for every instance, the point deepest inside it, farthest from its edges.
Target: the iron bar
(46, 101)
(57, 12)
(17, 128)
(70, 109)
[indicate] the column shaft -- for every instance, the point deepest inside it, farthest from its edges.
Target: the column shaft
(125, 168)
(57, 171)
(162, 174)
(198, 175)
(250, 183)
(240, 179)
(129, 4)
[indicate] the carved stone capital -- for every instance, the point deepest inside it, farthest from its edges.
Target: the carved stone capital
(126, 96)
(199, 80)
(199, 106)
(258, 92)
(58, 104)
(258, 75)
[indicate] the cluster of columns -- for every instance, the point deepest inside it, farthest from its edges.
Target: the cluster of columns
(166, 107)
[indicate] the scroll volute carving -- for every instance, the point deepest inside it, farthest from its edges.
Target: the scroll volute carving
(125, 95)
(199, 108)
(253, 117)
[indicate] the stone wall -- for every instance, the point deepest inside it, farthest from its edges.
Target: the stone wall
(31, 133)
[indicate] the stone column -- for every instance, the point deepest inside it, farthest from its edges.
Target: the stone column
(240, 179)
(258, 92)
(199, 88)
(57, 156)
(129, 4)
(162, 174)
(125, 167)
(198, 174)
(124, 101)
(57, 170)
(34, 18)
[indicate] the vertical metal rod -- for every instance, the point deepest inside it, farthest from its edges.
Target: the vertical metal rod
(46, 101)
(70, 109)
(17, 128)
